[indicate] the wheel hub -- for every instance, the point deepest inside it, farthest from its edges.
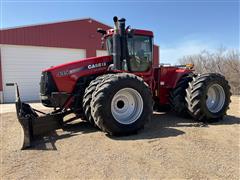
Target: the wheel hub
(120, 104)
(215, 98)
(127, 106)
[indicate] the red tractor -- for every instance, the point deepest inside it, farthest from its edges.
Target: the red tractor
(116, 93)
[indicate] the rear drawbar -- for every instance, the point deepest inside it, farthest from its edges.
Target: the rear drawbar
(32, 124)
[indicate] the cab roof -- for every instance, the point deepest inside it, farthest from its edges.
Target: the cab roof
(136, 31)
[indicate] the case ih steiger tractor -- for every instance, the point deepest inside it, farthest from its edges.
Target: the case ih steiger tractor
(116, 93)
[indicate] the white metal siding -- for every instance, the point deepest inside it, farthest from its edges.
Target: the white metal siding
(23, 64)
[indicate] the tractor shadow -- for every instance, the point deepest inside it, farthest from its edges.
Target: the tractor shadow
(228, 120)
(69, 130)
(162, 125)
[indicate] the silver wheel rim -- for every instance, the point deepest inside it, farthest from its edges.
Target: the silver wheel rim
(215, 98)
(127, 106)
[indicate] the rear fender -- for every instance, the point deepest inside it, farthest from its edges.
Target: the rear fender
(171, 75)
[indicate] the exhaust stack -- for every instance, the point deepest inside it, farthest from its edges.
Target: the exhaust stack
(117, 65)
(120, 50)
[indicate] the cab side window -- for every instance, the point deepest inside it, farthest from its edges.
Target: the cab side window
(140, 53)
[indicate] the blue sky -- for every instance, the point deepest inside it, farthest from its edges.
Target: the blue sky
(180, 27)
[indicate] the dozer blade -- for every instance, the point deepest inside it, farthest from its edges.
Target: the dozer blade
(32, 124)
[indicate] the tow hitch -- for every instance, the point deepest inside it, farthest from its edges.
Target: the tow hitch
(32, 123)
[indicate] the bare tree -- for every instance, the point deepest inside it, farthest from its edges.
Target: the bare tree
(223, 61)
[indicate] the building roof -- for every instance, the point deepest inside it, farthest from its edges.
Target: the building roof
(78, 33)
(54, 22)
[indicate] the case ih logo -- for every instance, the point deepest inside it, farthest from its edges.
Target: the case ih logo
(90, 66)
(98, 65)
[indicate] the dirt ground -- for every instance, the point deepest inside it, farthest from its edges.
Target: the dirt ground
(168, 147)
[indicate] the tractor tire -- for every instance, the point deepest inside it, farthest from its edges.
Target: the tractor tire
(208, 97)
(177, 96)
(88, 97)
(122, 104)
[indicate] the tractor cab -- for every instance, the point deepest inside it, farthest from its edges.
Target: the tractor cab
(132, 49)
(140, 51)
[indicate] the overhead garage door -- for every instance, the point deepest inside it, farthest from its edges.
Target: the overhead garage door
(23, 64)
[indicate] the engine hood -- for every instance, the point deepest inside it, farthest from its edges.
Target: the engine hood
(91, 63)
(66, 75)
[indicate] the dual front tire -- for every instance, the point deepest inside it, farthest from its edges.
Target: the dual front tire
(87, 98)
(120, 104)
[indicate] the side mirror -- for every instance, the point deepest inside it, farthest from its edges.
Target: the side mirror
(100, 30)
(102, 43)
(103, 32)
(130, 33)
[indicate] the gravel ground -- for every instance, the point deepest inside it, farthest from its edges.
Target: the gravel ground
(169, 147)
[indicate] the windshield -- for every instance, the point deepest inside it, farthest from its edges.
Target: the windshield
(140, 52)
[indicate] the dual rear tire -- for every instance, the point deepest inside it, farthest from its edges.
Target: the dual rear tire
(208, 97)
(178, 94)
(205, 97)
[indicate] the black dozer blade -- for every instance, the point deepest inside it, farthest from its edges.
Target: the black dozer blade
(32, 124)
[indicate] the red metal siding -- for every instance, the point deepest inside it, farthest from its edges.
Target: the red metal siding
(79, 34)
